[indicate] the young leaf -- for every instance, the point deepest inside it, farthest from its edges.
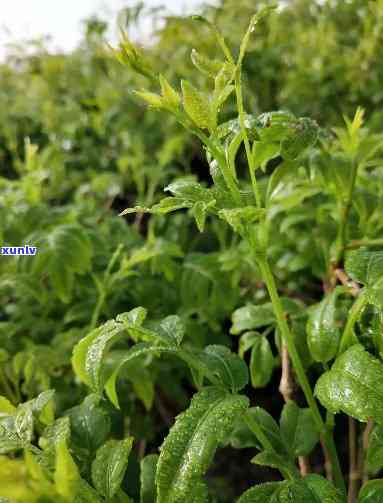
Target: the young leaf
(205, 65)
(170, 97)
(197, 106)
(323, 334)
(152, 99)
(274, 460)
(109, 467)
(269, 428)
(251, 317)
(353, 385)
(192, 441)
(261, 363)
(66, 474)
(148, 476)
(298, 429)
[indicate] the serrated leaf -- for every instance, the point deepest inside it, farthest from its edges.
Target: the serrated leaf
(298, 429)
(263, 492)
(197, 106)
(109, 467)
(353, 385)
(190, 446)
(147, 479)
(323, 334)
(170, 97)
(240, 218)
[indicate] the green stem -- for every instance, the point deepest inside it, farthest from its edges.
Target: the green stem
(348, 336)
(300, 371)
(357, 243)
(344, 212)
(216, 153)
(249, 155)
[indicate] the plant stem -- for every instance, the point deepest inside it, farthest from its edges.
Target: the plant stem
(344, 212)
(357, 243)
(241, 116)
(363, 468)
(354, 475)
(288, 338)
(348, 333)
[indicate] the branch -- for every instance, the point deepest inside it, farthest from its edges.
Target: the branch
(354, 474)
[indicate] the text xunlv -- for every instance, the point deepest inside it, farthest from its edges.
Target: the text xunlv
(18, 250)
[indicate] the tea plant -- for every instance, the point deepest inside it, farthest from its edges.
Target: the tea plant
(290, 217)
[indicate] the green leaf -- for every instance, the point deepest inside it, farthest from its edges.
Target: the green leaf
(199, 212)
(106, 335)
(189, 190)
(273, 460)
(170, 97)
(364, 266)
(205, 65)
(263, 493)
(152, 99)
(90, 423)
(172, 329)
(6, 407)
(251, 317)
(148, 476)
(219, 361)
(298, 429)
(353, 385)
(371, 492)
(374, 455)
(263, 152)
(313, 489)
(66, 474)
(303, 135)
(269, 428)
(197, 106)
(261, 363)
(190, 446)
(323, 334)
(109, 467)
(240, 218)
